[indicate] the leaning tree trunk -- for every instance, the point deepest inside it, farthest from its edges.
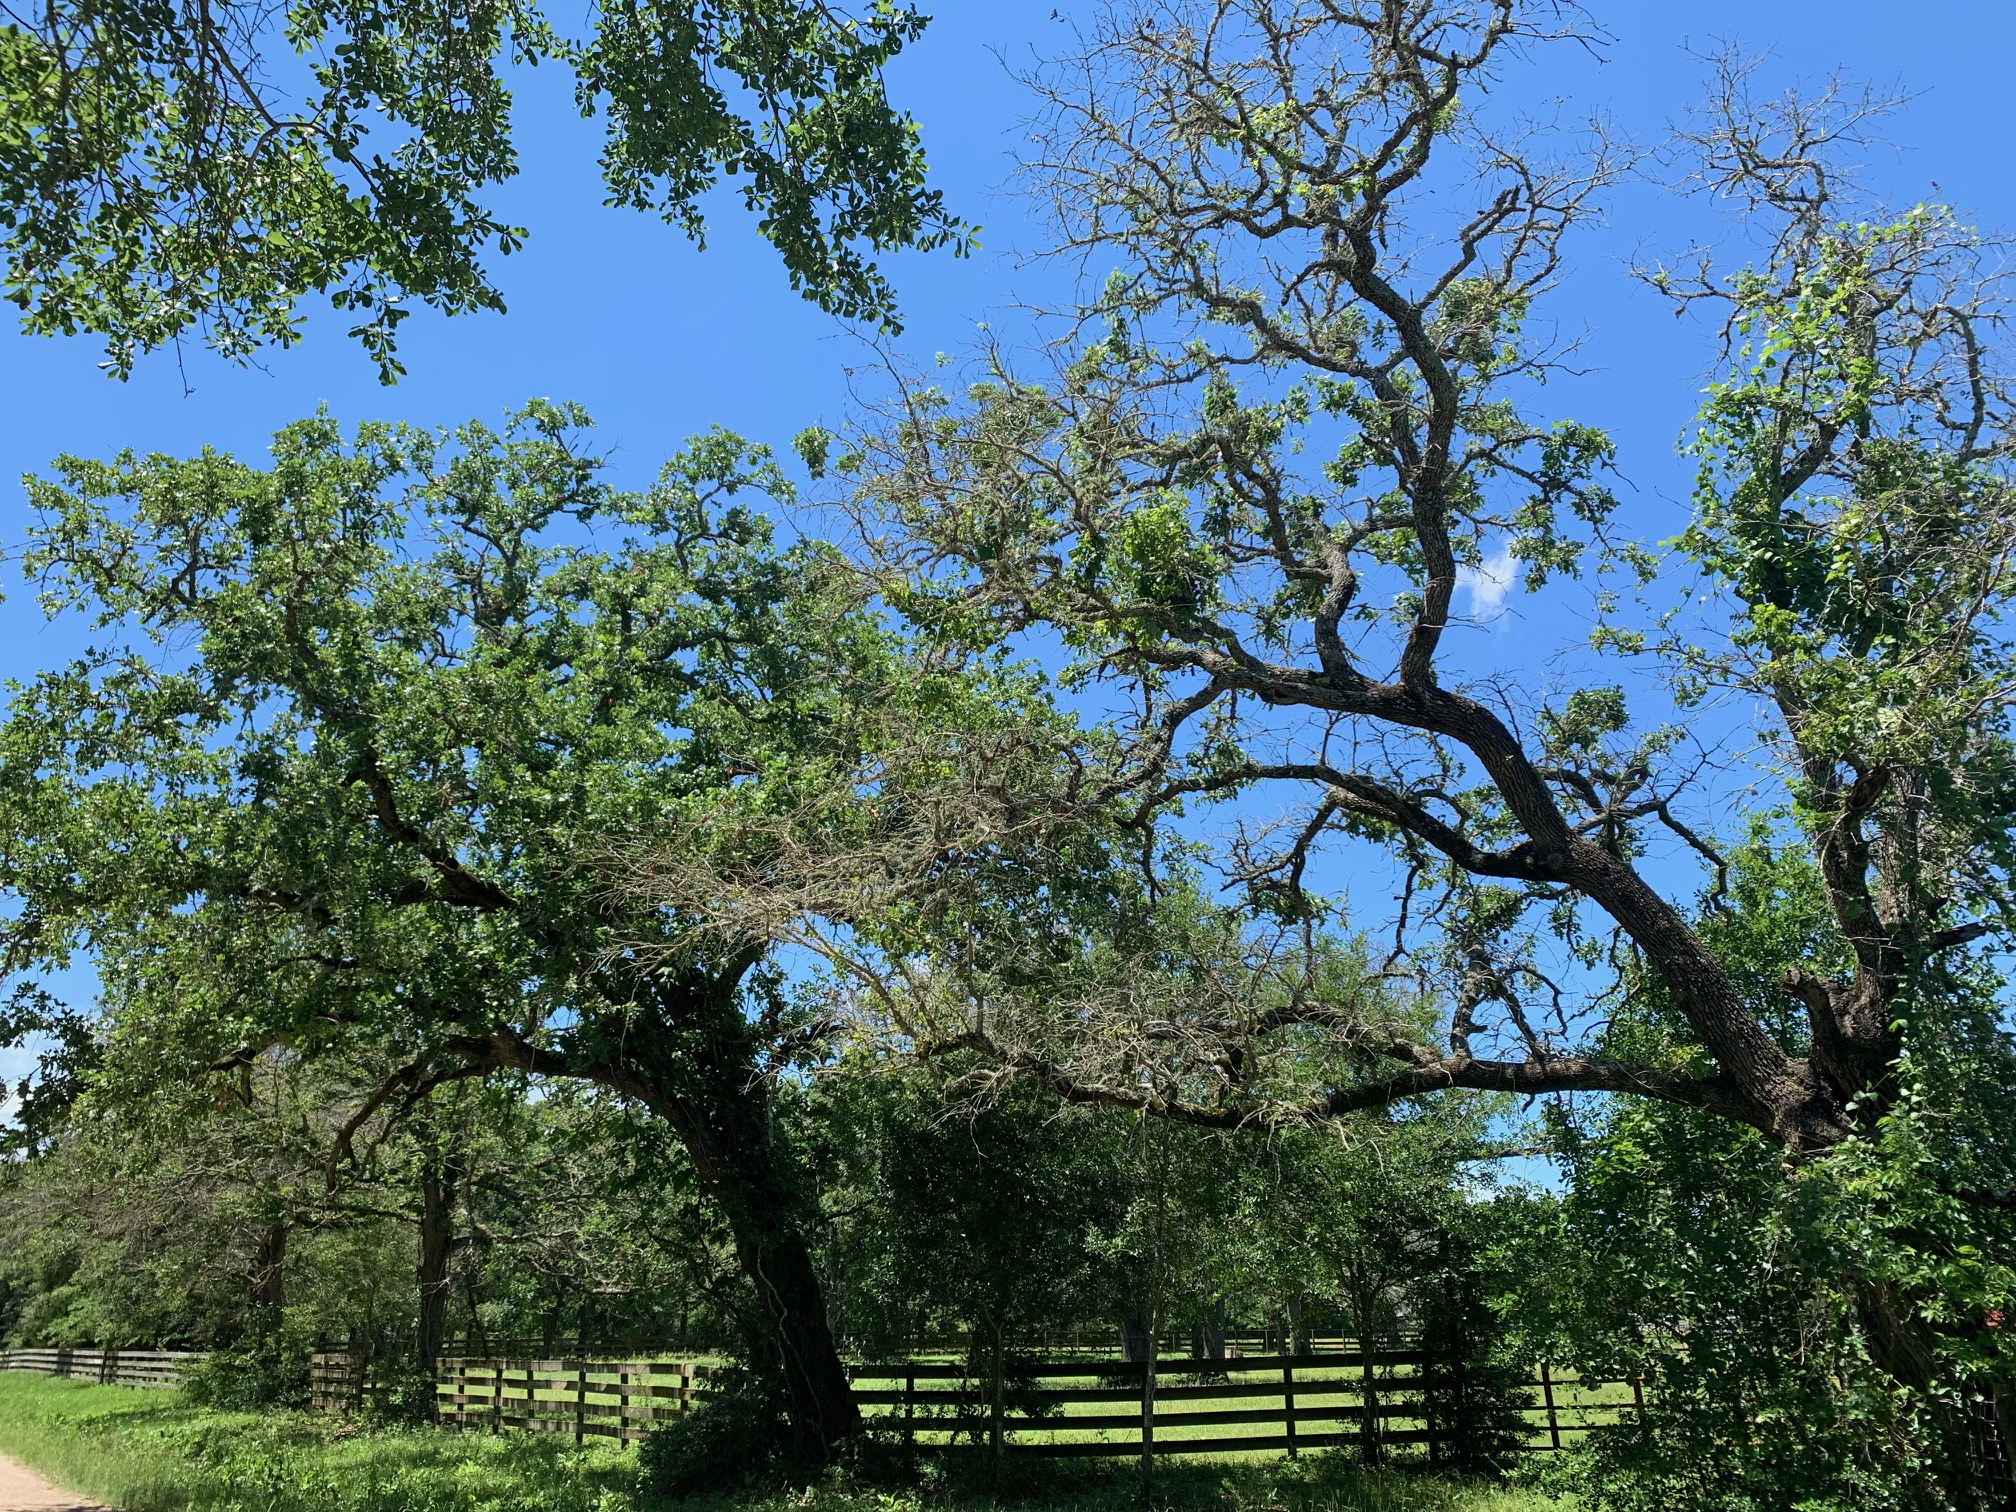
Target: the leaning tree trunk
(699, 1072)
(691, 1057)
(741, 1168)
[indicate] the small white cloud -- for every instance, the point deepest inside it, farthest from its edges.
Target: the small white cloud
(1489, 584)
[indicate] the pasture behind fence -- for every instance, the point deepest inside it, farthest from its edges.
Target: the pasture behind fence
(619, 1399)
(1241, 1404)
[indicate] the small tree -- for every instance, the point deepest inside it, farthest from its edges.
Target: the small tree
(1473, 1386)
(975, 1216)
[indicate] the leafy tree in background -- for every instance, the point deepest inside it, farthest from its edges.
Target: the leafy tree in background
(200, 1219)
(194, 167)
(364, 718)
(591, 1226)
(968, 1219)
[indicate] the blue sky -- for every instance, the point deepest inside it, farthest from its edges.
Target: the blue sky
(660, 340)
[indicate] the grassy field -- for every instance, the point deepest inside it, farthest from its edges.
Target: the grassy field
(146, 1451)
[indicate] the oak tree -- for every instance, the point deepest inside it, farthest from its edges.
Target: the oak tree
(357, 719)
(1303, 413)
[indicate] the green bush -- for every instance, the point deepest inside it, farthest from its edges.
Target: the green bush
(732, 1440)
(259, 1371)
(1472, 1386)
(398, 1392)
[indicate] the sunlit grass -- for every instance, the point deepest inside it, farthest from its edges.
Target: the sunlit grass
(147, 1451)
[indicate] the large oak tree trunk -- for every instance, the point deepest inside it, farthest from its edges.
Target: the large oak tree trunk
(742, 1169)
(692, 1058)
(699, 1072)
(440, 1182)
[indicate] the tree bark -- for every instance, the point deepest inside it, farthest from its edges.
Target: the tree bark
(1370, 1449)
(998, 1397)
(1133, 1339)
(693, 1062)
(440, 1183)
(700, 1073)
(266, 1286)
(1298, 1325)
(741, 1168)
(1207, 1335)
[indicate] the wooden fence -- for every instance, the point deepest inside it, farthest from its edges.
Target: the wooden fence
(160, 1368)
(619, 1399)
(1239, 1405)
(1252, 1404)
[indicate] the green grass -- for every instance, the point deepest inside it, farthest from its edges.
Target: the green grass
(147, 1452)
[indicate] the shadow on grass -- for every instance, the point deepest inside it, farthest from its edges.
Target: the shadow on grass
(1324, 1482)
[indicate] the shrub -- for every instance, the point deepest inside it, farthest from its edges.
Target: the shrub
(398, 1391)
(259, 1371)
(735, 1437)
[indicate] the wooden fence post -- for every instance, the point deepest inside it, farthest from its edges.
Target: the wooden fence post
(496, 1396)
(910, 1403)
(1148, 1419)
(580, 1401)
(1638, 1395)
(1288, 1403)
(1547, 1391)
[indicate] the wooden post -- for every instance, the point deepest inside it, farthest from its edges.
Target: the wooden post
(1547, 1391)
(1148, 1419)
(496, 1396)
(910, 1402)
(622, 1406)
(580, 1401)
(1288, 1403)
(1638, 1395)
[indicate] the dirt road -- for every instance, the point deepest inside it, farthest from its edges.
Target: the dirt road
(22, 1490)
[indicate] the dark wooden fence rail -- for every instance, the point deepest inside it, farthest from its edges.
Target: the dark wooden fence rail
(1077, 1408)
(1241, 1404)
(161, 1368)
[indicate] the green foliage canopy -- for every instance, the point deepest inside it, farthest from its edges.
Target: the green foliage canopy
(179, 167)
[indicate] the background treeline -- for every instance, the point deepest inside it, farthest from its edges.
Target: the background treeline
(280, 1214)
